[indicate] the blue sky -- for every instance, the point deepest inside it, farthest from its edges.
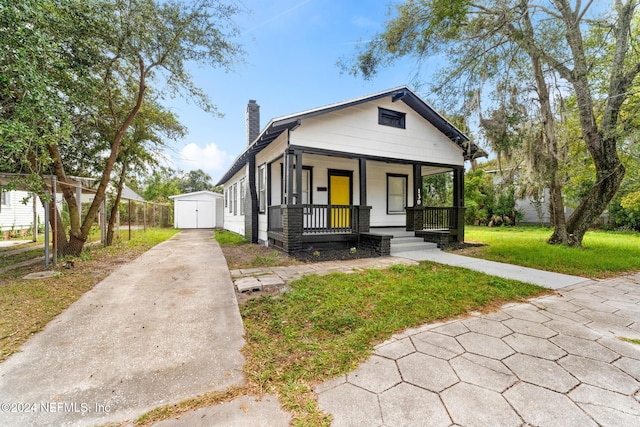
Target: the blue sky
(292, 47)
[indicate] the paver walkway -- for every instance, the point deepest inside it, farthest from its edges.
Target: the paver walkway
(555, 361)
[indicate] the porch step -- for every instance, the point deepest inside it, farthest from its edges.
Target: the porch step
(410, 244)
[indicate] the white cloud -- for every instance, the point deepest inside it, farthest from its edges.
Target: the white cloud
(207, 158)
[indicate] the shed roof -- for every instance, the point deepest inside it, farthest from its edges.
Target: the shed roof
(195, 193)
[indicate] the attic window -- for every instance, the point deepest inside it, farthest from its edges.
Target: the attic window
(392, 118)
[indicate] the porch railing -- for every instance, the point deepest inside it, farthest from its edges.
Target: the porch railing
(329, 219)
(433, 218)
(319, 219)
(440, 218)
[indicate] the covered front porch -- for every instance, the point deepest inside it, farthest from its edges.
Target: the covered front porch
(351, 206)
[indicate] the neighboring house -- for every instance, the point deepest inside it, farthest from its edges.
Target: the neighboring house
(328, 177)
(534, 210)
(15, 215)
(201, 209)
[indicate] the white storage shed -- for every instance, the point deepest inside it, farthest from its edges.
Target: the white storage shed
(202, 209)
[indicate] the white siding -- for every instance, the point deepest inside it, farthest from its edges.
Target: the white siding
(356, 130)
(18, 216)
(235, 222)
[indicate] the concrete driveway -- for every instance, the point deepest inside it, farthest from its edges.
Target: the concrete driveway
(157, 330)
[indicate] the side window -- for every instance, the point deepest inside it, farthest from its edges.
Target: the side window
(242, 195)
(234, 191)
(6, 198)
(262, 188)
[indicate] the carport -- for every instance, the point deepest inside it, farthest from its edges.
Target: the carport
(201, 209)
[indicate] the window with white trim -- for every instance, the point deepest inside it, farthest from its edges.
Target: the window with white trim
(242, 195)
(234, 191)
(6, 198)
(396, 193)
(262, 188)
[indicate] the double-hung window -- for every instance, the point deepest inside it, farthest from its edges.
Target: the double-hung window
(262, 188)
(242, 195)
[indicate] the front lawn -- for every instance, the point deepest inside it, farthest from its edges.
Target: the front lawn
(327, 325)
(604, 253)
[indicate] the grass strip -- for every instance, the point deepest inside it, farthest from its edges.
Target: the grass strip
(603, 254)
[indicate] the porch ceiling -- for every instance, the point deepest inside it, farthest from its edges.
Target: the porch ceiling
(434, 170)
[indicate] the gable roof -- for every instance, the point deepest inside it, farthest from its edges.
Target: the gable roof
(278, 125)
(195, 193)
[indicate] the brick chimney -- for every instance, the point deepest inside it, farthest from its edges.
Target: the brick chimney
(253, 121)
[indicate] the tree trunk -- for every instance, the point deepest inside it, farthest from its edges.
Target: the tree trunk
(69, 194)
(114, 209)
(552, 154)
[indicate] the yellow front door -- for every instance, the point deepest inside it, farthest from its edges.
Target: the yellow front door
(340, 192)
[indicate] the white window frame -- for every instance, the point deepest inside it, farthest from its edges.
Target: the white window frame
(234, 191)
(5, 198)
(262, 188)
(242, 195)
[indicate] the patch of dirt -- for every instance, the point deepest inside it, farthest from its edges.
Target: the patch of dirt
(272, 291)
(255, 256)
(465, 248)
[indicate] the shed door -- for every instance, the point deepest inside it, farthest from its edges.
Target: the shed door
(196, 214)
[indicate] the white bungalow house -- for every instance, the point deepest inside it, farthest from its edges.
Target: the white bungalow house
(328, 177)
(16, 216)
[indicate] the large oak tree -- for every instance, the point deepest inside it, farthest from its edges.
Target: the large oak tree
(78, 73)
(540, 51)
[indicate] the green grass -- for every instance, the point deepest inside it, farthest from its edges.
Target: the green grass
(225, 237)
(239, 253)
(327, 325)
(604, 253)
(6, 260)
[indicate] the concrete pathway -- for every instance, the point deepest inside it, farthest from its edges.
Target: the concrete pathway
(545, 279)
(257, 279)
(157, 330)
(555, 361)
